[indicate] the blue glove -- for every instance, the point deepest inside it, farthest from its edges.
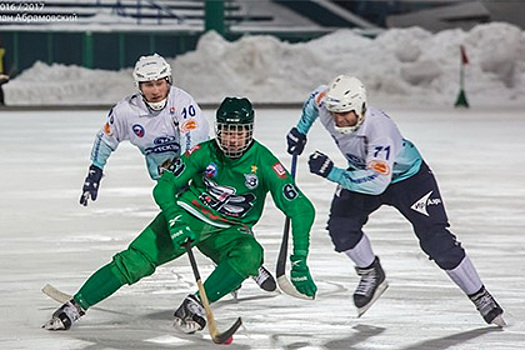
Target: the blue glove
(91, 185)
(320, 164)
(180, 233)
(296, 141)
(300, 276)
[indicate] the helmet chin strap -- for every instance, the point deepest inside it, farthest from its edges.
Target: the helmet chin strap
(157, 106)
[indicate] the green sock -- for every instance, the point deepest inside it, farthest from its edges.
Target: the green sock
(99, 286)
(222, 281)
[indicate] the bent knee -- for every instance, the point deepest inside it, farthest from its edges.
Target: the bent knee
(344, 234)
(246, 257)
(444, 249)
(133, 265)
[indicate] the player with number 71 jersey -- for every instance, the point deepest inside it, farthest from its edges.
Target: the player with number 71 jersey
(376, 152)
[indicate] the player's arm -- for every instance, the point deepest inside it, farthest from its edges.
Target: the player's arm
(294, 204)
(171, 182)
(106, 142)
(373, 180)
(296, 137)
(165, 195)
(194, 127)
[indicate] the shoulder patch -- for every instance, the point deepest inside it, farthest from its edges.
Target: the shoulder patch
(279, 170)
(107, 129)
(379, 166)
(320, 97)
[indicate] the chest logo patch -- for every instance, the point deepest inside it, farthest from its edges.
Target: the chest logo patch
(251, 181)
(138, 130)
(211, 170)
(188, 125)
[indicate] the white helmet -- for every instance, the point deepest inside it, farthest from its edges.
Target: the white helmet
(346, 94)
(151, 68)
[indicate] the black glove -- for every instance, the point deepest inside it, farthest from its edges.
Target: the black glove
(320, 164)
(296, 141)
(91, 184)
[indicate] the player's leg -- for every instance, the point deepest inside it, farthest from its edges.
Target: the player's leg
(238, 256)
(420, 201)
(348, 213)
(150, 249)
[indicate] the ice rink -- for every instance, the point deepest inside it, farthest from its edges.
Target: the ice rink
(47, 237)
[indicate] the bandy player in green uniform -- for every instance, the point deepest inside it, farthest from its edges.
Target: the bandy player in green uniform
(213, 197)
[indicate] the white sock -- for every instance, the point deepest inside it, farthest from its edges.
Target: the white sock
(466, 276)
(362, 254)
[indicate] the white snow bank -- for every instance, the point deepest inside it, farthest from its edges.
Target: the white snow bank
(407, 66)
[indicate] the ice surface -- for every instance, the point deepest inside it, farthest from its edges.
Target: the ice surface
(47, 237)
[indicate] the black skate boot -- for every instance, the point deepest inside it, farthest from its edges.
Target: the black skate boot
(488, 307)
(190, 316)
(64, 317)
(371, 286)
(265, 280)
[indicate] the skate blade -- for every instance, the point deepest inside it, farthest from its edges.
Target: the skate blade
(54, 324)
(379, 291)
(499, 321)
(188, 327)
(235, 295)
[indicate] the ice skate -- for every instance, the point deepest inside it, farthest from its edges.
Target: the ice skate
(64, 317)
(371, 286)
(190, 316)
(488, 307)
(265, 280)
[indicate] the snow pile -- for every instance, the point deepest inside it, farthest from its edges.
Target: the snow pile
(409, 66)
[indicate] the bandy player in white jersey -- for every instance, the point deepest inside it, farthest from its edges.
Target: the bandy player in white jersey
(162, 121)
(383, 168)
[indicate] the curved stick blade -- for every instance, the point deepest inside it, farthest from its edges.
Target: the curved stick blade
(221, 338)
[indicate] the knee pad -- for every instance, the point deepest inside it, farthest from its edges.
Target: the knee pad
(246, 257)
(133, 265)
(443, 248)
(344, 234)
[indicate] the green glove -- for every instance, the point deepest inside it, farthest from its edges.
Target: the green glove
(180, 232)
(301, 278)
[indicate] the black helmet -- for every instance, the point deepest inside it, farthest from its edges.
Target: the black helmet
(234, 126)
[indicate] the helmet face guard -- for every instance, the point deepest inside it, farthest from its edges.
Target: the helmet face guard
(346, 94)
(234, 126)
(152, 68)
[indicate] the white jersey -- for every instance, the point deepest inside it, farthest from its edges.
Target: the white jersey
(377, 153)
(161, 136)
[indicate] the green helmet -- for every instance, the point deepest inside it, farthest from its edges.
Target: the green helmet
(234, 126)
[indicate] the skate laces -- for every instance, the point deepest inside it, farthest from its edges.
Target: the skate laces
(368, 281)
(71, 310)
(262, 276)
(484, 302)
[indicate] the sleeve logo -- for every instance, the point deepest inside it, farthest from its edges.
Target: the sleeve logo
(279, 170)
(379, 166)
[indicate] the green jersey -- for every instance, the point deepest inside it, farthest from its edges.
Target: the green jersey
(222, 191)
